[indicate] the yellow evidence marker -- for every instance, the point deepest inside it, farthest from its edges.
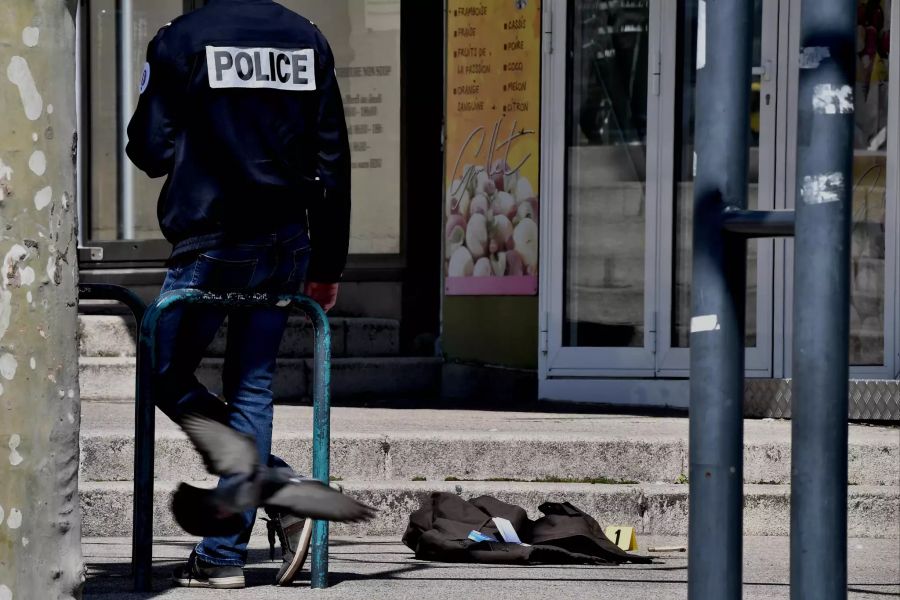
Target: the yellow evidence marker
(622, 536)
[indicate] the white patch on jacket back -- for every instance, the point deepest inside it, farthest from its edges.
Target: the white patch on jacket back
(261, 68)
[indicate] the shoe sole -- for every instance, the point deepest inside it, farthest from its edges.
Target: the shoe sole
(287, 577)
(219, 583)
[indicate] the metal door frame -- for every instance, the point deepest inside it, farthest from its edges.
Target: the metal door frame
(674, 361)
(891, 367)
(557, 361)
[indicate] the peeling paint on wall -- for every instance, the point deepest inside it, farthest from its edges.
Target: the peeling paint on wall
(43, 198)
(31, 36)
(38, 163)
(15, 459)
(27, 276)
(19, 74)
(8, 366)
(14, 520)
(5, 311)
(6, 174)
(38, 326)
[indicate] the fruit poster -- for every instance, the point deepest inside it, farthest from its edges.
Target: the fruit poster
(492, 149)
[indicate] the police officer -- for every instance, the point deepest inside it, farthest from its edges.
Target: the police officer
(240, 111)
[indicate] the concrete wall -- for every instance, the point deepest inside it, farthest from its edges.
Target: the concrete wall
(499, 331)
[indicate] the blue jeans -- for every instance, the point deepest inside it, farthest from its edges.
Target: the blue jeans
(274, 263)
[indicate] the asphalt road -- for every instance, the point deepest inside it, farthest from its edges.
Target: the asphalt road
(375, 568)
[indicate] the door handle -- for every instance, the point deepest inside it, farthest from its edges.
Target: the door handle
(764, 71)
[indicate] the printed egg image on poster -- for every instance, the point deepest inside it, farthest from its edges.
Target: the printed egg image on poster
(492, 207)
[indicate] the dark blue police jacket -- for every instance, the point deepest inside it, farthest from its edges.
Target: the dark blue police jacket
(240, 109)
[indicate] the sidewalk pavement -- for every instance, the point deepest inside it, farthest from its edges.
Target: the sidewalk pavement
(383, 568)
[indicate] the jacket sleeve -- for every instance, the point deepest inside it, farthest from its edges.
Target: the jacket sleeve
(153, 128)
(329, 217)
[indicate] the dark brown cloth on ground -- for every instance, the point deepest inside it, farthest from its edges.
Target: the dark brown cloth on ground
(439, 531)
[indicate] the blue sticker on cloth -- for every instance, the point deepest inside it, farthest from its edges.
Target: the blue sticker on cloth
(477, 536)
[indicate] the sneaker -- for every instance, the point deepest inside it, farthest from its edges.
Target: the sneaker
(198, 574)
(294, 534)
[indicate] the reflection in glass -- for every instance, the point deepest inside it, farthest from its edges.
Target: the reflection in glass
(606, 173)
(147, 18)
(867, 274)
(684, 169)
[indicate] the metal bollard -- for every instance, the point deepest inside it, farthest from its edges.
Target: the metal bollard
(106, 291)
(718, 300)
(821, 224)
(145, 424)
(825, 130)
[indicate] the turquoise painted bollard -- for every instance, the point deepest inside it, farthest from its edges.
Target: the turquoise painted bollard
(145, 425)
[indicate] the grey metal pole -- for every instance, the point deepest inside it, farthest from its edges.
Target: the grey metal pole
(718, 300)
(124, 107)
(821, 300)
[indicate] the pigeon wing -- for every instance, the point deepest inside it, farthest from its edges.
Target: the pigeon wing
(312, 499)
(199, 512)
(224, 450)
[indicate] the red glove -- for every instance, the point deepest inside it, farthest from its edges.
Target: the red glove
(323, 293)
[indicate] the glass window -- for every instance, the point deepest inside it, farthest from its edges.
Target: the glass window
(365, 38)
(684, 169)
(867, 274)
(606, 174)
(112, 190)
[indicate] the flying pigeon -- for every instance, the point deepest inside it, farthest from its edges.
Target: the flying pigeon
(229, 453)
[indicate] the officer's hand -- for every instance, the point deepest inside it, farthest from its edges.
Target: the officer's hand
(323, 293)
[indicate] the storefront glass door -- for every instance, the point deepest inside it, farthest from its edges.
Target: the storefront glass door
(619, 298)
(604, 226)
(619, 85)
(677, 195)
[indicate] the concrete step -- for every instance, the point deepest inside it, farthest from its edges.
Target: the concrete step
(436, 456)
(113, 379)
(653, 509)
(403, 444)
(114, 336)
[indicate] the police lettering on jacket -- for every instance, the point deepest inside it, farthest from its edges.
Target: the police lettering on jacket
(291, 70)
